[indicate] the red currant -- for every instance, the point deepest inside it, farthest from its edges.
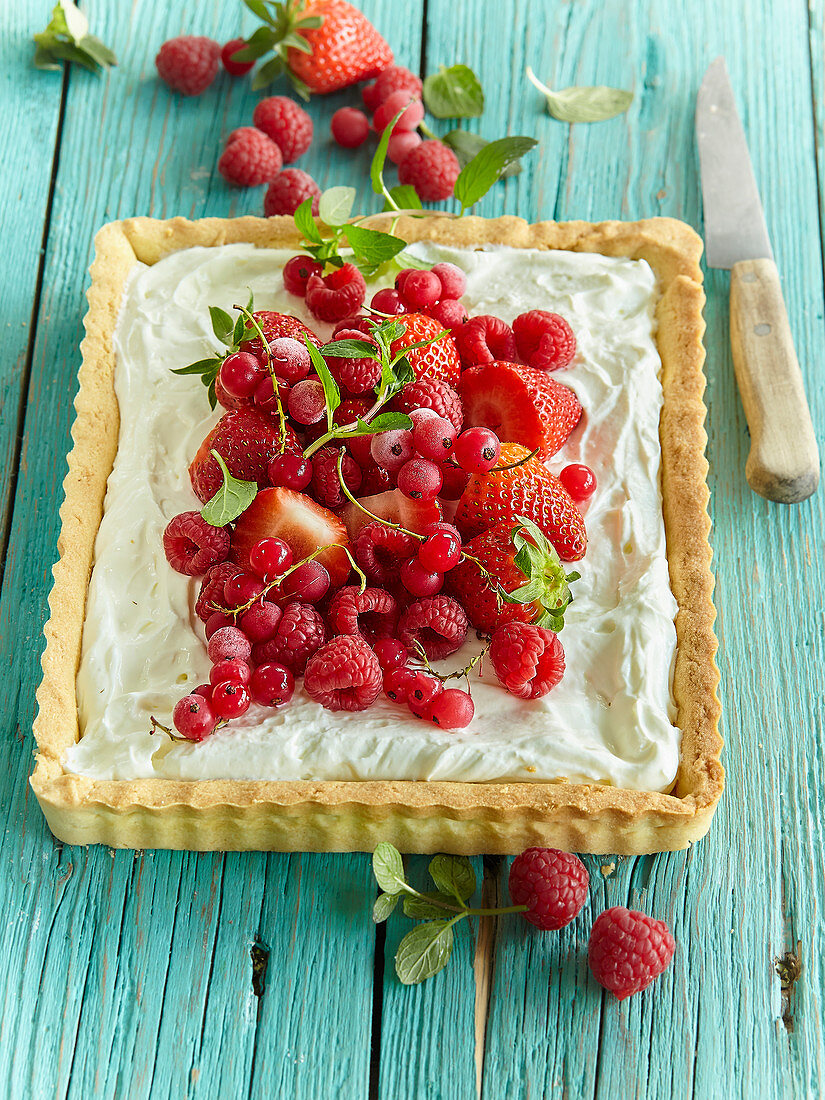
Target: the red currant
(388, 301)
(434, 438)
(271, 685)
(193, 717)
(419, 479)
(421, 289)
(264, 395)
(452, 709)
(477, 450)
(260, 621)
(228, 644)
(290, 359)
(269, 557)
(290, 471)
(215, 621)
(579, 481)
(349, 127)
(421, 692)
(306, 401)
(230, 700)
(297, 271)
(397, 682)
(391, 653)
(418, 580)
(392, 449)
(204, 690)
(242, 588)
(240, 373)
(453, 280)
(441, 550)
(449, 313)
(308, 582)
(236, 672)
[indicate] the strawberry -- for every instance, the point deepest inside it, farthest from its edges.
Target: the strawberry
(393, 507)
(276, 325)
(300, 522)
(520, 404)
(528, 489)
(247, 440)
(511, 565)
(438, 360)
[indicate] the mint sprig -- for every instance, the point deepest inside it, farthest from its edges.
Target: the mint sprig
(466, 145)
(67, 38)
(477, 177)
(233, 497)
(370, 247)
(231, 334)
(454, 93)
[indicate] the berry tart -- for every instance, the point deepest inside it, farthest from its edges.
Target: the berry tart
(414, 553)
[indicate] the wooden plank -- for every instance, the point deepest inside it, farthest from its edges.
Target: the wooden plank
(128, 975)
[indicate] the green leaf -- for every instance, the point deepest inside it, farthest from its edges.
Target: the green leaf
(388, 868)
(406, 259)
(466, 145)
(257, 45)
(351, 349)
(424, 951)
(203, 366)
(335, 205)
(384, 422)
(421, 909)
(239, 331)
(67, 38)
(453, 875)
(405, 197)
(233, 497)
(384, 905)
(268, 72)
(477, 177)
(454, 93)
(594, 103)
(98, 51)
(377, 166)
(332, 395)
(373, 246)
(259, 8)
(305, 223)
(222, 324)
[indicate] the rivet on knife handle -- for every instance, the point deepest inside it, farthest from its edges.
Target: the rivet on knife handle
(783, 463)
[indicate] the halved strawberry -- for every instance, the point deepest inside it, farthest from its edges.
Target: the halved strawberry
(393, 507)
(437, 360)
(274, 326)
(247, 440)
(526, 490)
(520, 404)
(300, 522)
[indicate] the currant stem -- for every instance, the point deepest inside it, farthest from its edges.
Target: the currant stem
(366, 511)
(252, 322)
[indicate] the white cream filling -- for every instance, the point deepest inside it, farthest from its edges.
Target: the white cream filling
(611, 719)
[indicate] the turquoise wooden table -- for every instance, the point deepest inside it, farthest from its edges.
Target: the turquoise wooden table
(157, 974)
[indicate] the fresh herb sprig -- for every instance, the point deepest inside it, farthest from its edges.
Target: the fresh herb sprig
(231, 334)
(426, 950)
(233, 497)
(67, 38)
(324, 237)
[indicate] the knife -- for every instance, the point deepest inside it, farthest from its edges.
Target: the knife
(783, 463)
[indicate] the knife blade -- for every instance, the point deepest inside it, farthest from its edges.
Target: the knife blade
(783, 464)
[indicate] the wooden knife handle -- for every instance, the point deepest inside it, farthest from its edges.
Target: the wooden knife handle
(783, 463)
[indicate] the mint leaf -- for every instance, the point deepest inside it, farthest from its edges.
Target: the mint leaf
(222, 325)
(384, 422)
(422, 909)
(594, 103)
(403, 197)
(203, 366)
(351, 349)
(405, 259)
(454, 93)
(371, 246)
(67, 38)
(424, 951)
(377, 166)
(233, 497)
(466, 145)
(336, 203)
(384, 905)
(332, 395)
(388, 868)
(477, 177)
(453, 875)
(305, 223)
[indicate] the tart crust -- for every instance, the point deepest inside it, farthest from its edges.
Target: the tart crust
(467, 818)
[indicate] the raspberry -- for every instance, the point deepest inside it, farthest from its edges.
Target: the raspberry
(437, 622)
(188, 64)
(432, 168)
(299, 634)
(249, 158)
(552, 884)
(431, 393)
(355, 375)
(544, 340)
(235, 68)
(212, 586)
(337, 295)
(297, 271)
(453, 280)
(528, 660)
(276, 326)
(349, 127)
(344, 675)
(192, 545)
(371, 614)
(286, 123)
(409, 120)
(370, 97)
(395, 78)
(326, 488)
(484, 339)
(380, 549)
(401, 144)
(628, 950)
(288, 190)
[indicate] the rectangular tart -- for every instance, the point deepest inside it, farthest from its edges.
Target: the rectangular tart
(417, 816)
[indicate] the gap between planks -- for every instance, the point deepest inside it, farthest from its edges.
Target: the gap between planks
(484, 961)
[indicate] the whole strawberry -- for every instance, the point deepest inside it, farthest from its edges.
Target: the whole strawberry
(552, 884)
(530, 490)
(437, 360)
(628, 950)
(247, 441)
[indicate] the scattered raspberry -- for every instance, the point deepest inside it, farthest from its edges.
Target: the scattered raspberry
(379, 550)
(249, 158)
(337, 295)
(401, 144)
(192, 545)
(344, 675)
(431, 393)
(288, 190)
(299, 634)
(349, 127)
(437, 622)
(355, 375)
(286, 123)
(544, 340)
(552, 884)
(326, 488)
(188, 64)
(528, 660)
(212, 586)
(235, 68)
(484, 339)
(371, 614)
(413, 113)
(395, 78)
(628, 950)
(432, 168)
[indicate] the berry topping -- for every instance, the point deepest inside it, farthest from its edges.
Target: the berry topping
(240, 374)
(344, 675)
(453, 280)
(477, 450)
(249, 158)
(627, 950)
(270, 557)
(390, 653)
(233, 671)
(441, 549)
(436, 360)
(230, 699)
(438, 623)
(349, 127)
(355, 375)
(379, 550)
(419, 479)
(235, 68)
(452, 709)
(247, 440)
(528, 660)
(433, 394)
(544, 340)
(288, 190)
(326, 486)
(370, 614)
(271, 685)
(395, 78)
(432, 169)
(401, 144)
(422, 289)
(229, 644)
(309, 582)
(484, 339)
(412, 117)
(418, 580)
(552, 884)
(388, 301)
(392, 449)
(210, 596)
(449, 314)
(337, 295)
(188, 64)
(297, 271)
(579, 481)
(260, 622)
(290, 359)
(298, 635)
(434, 438)
(192, 546)
(286, 123)
(274, 326)
(193, 717)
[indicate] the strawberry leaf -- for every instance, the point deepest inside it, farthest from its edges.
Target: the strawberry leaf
(547, 584)
(424, 952)
(233, 497)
